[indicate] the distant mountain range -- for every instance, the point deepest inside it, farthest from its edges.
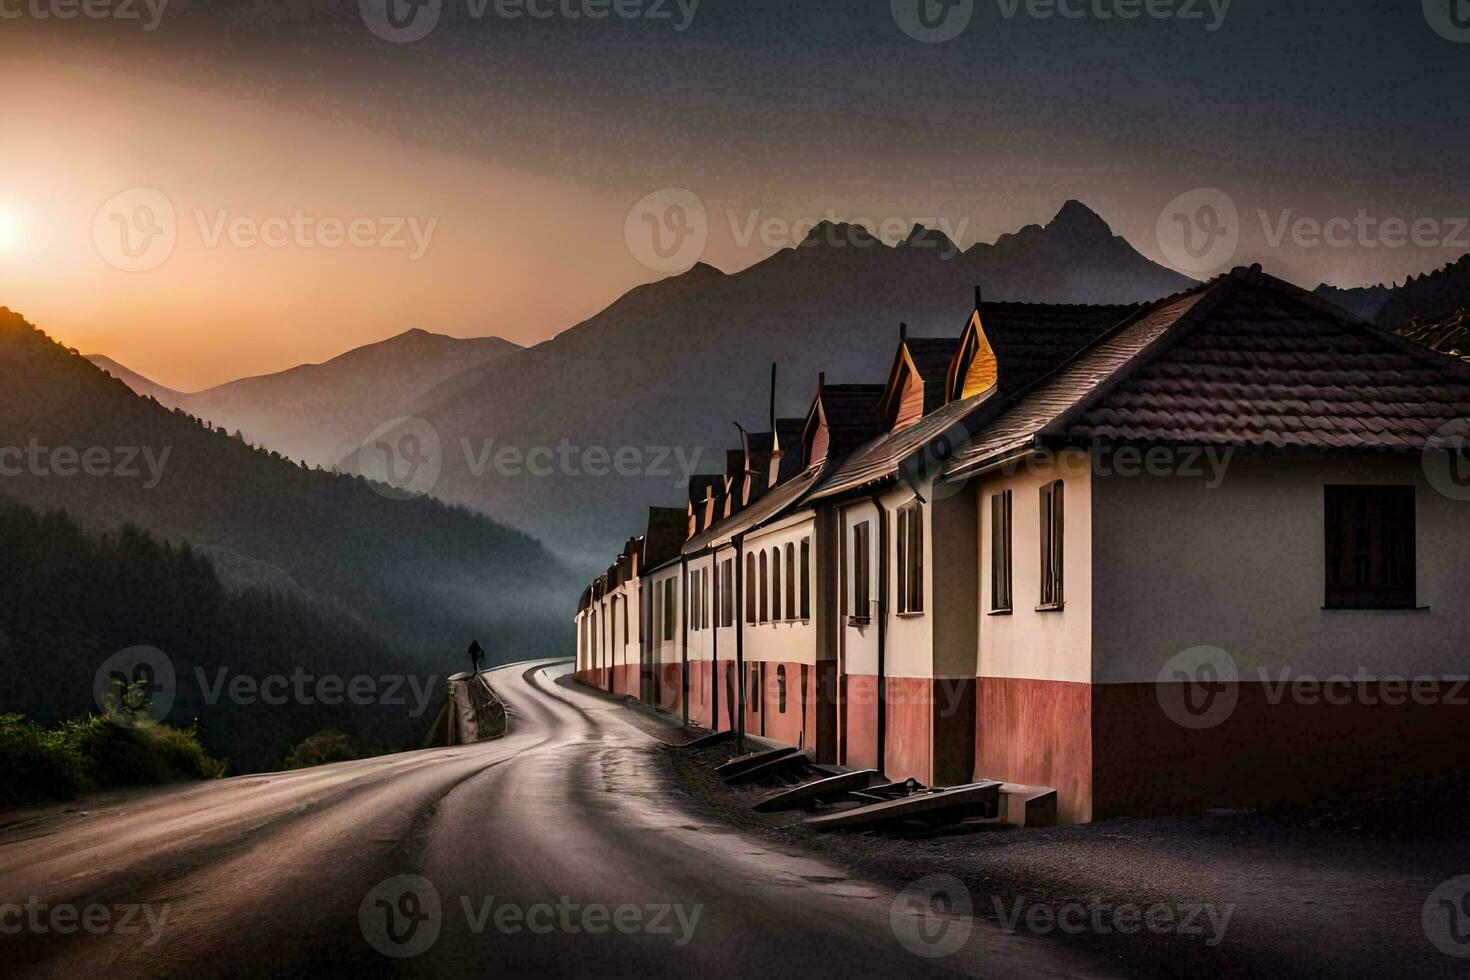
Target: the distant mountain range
(663, 372)
(317, 413)
(658, 378)
(1432, 296)
(1432, 309)
(430, 577)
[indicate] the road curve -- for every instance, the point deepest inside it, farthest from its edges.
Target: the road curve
(560, 850)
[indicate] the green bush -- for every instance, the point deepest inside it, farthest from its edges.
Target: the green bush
(93, 752)
(328, 746)
(37, 763)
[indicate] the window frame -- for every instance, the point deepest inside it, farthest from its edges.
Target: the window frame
(1052, 539)
(765, 587)
(806, 579)
(777, 607)
(750, 589)
(1002, 552)
(1377, 501)
(860, 565)
(910, 565)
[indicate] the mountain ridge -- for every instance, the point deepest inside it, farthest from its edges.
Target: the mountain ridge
(673, 362)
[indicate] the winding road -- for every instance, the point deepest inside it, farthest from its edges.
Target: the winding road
(563, 849)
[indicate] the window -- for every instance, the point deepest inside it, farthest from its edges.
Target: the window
(625, 622)
(1000, 552)
(754, 694)
(1051, 546)
(911, 559)
(765, 588)
(781, 689)
(1370, 548)
(695, 602)
(806, 578)
(727, 592)
(750, 586)
(704, 599)
(668, 609)
(776, 606)
(861, 565)
(790, 606)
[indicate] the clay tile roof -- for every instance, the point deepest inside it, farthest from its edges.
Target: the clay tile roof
(1032, 339)
(852, 416)
(1270, 365)
(932, 356)
(1021, 421)
(766, 508)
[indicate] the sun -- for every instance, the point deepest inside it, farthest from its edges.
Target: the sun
(12, 233)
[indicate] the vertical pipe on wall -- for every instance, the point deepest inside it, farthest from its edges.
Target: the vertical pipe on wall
(882, 632)
(684, 653)
(739, 720)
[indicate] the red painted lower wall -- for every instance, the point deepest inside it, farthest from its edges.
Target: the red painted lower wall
(1265, 753)
(1038, 733)
(858, 745)
(625, 680)
(788, 726)
(671, 686)
(908, 742)
(701, 699)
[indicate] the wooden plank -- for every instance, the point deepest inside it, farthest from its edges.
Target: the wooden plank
(813, 792)
(928, 804)
(745, 762)
(781, 763)
(704, 741)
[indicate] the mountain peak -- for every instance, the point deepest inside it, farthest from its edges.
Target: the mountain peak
(930, 238)
(837, 234)
(1078, 219)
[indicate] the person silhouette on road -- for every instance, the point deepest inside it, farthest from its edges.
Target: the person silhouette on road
(477, 657)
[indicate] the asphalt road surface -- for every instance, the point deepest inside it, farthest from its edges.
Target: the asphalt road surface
(559, 850)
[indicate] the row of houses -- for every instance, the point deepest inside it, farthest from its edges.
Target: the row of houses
(1102, 549)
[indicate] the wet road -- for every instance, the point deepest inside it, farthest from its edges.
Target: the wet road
(560, 850)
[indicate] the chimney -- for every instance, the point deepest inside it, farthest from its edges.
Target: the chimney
(903, 333)
(979, 297)
(773, 466)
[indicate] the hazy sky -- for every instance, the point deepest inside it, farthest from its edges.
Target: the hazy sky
(297, 184)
